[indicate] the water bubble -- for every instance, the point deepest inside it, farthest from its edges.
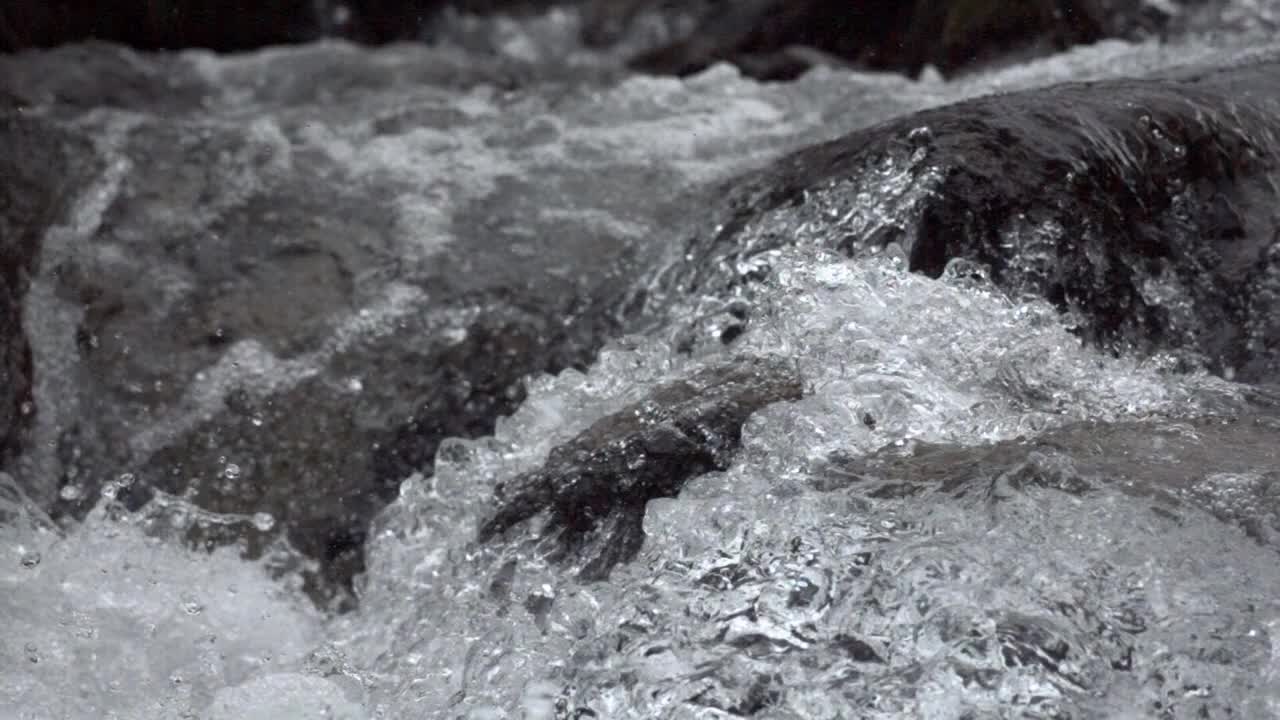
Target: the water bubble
(30, 559)
(71, 492)
(232, 471)
(192, 605)
(264, 521)
(355, 385)
(33, 652)
(27, 407)
(125, 480)
(256, 420)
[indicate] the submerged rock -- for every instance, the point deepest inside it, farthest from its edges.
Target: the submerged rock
(288, 276)
(41, 169)
(1226, 466)
(597, 484)
(1145, 207)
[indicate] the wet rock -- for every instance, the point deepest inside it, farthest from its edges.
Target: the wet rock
(596, 485)
(174, 24)
(218, 26)
(40, 170)
(267, 313)
(761, 36)
(1144, 207)
(290, 275)
(1223, 465)
(155, 25)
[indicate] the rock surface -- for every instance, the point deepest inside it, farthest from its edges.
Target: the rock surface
(42, 168)
(278, 294)
(596, 485)
(1147, 208)
(1225, 466)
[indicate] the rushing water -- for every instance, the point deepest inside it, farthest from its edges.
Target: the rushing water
(779, 588)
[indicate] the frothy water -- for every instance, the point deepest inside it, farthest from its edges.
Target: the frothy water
(118, 620)
(773, 589)
(759, 587)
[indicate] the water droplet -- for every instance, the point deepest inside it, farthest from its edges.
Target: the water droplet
(191, 605)
(264, 521)
(232, 471)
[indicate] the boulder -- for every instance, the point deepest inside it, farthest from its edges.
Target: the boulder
(291, 274)
(1146, 208)
(596, 486)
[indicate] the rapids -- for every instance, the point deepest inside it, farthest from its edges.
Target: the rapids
(781, 587)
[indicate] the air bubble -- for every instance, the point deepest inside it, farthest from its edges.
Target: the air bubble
(191, 605)
(232, 471)
(264, 521)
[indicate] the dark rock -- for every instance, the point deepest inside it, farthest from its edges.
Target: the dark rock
(291, 274)
(39, 168)
(157, 25)
(597, 484)
(760, 36)
(257, 332)
(1146, 207)
(227, 27)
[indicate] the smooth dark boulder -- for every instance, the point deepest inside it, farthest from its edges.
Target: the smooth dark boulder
(1146, 207)
(597, 484)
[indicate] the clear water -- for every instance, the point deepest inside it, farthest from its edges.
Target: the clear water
(765, 590)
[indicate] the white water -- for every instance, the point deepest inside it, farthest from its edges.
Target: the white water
(755, 590)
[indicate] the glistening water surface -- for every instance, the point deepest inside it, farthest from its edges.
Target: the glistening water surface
(836, 569)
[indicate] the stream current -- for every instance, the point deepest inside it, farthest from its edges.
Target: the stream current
(788, 585)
